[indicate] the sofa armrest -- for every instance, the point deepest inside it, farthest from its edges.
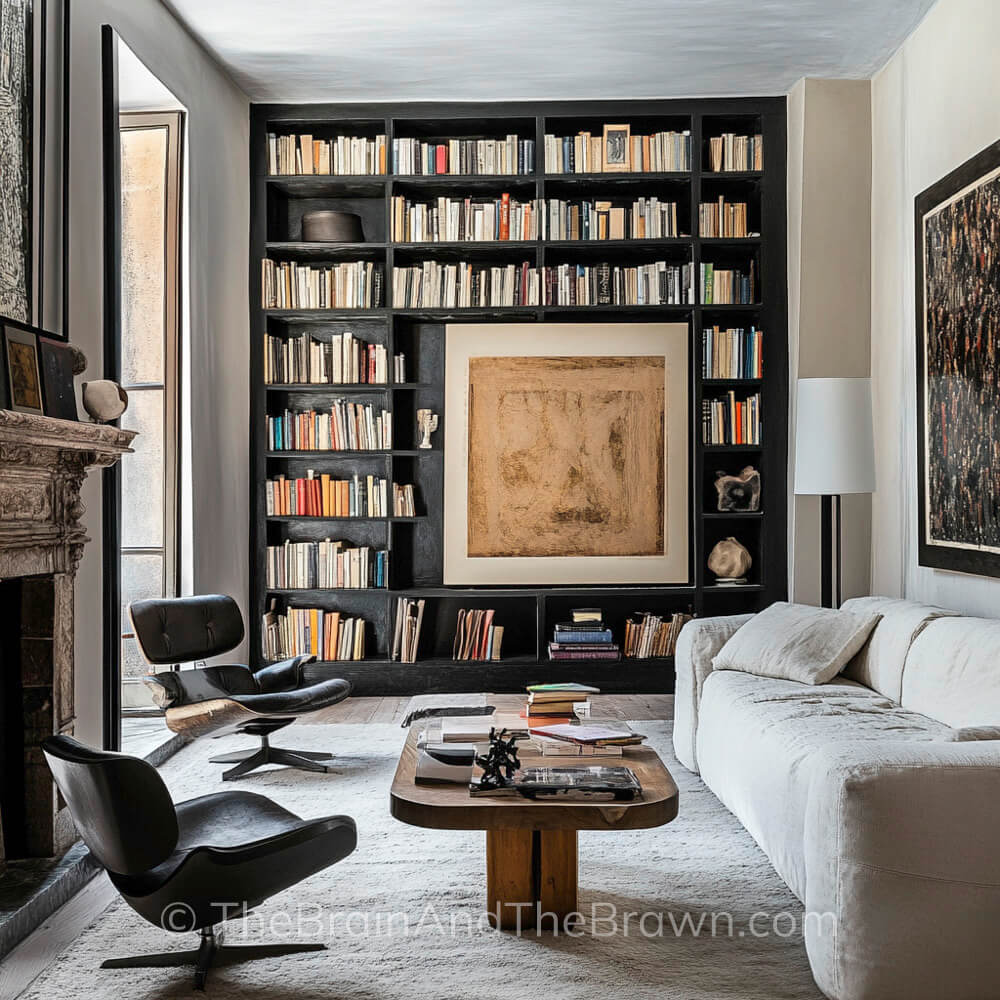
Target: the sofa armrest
(903, 872)
(699, 641)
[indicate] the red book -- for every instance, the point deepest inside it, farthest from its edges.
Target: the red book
(505, 216)
(299, 497)
(441, 160)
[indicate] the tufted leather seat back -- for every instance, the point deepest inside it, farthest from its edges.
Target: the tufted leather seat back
(182, 629)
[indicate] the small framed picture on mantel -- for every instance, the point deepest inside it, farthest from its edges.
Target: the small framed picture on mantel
(22, 373)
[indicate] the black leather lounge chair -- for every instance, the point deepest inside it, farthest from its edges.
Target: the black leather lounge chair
(189, 867)
(227, 698)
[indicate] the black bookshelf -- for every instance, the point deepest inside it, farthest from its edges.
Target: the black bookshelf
(528, 612)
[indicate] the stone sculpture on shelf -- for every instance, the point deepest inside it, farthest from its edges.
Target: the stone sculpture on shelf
(740, 492)
(427, 423)
(104, 400)
(730, 562)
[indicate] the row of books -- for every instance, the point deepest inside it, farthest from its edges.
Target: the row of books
(728, 420)
(329, 563)
(323, 496)
(327, 635)
(648, 635)
(456, 220)
(353, 284)
(735, 152)
(658, 283)
(510, 155)
(347, 427)
(344, 154)
(587, 153)
(732, 353)
(477, 637)
(722, 219)
(728, 286)
(406, 632)
(342, 360)
(646, 218)
(435, 285)
(584, 637)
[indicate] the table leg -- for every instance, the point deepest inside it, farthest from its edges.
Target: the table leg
(534, 867)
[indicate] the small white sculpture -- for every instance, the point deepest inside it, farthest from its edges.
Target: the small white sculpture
(104, 400)
(427, 423)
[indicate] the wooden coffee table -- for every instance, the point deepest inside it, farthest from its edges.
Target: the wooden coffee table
(531, 847)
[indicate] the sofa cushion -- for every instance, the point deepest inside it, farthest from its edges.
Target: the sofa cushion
(796, 642)
(757, 738)
(880, 661)
(953, 672)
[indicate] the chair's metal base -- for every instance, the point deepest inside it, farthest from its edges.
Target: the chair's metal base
(249, 760)
(210, 952)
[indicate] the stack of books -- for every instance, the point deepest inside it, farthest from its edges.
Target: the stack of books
(328, 635)
(605, 738)
(406, 634)
(476, 636)
(648, 635)
(586, 637)
(551, 703)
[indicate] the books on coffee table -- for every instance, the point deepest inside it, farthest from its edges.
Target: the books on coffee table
(595, 784)
(605, 733)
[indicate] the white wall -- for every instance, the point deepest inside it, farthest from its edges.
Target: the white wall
(218, 134)
(934, 105)
(829, 220)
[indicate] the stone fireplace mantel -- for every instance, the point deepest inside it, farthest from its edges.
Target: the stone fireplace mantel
(43, 462)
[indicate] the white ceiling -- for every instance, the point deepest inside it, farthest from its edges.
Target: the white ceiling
(357, 50)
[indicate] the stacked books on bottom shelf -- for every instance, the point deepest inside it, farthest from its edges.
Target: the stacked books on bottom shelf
(648, 635)
(586, 637)
(406, 631)
(328, 635)
(476, 635)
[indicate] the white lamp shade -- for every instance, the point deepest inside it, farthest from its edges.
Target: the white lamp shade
(834, 442)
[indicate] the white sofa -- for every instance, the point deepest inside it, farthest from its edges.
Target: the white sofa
(876, 796)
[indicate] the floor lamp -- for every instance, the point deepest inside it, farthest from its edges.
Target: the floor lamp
(834, 455)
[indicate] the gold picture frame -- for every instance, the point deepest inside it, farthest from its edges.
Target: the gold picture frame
(23, 372)
(616, 148)
(567, 454)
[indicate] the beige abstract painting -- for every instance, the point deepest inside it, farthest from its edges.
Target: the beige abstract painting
(566, 456)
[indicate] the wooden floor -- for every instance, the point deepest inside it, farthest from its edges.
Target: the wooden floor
(392, 710)
(30, 958)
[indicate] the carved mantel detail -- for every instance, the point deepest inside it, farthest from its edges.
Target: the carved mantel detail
(43, 462)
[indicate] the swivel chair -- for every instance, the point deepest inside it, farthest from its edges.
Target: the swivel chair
(190, 866)
(227, 698)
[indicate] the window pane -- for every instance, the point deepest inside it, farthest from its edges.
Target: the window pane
(144, 199)
(142, 578)
(133, 663)
(142, 473)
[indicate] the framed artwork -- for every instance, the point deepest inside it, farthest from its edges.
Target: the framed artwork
(23, 374)
(617, 148)
(957, 228)
(16, 156)
(56, 360)
(568, 454)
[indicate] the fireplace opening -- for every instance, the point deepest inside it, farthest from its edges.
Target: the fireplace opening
(12, 813)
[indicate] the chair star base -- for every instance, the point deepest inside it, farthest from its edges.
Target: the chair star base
(210, 952)
(249, 760)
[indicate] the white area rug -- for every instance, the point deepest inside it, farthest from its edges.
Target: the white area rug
(703, 863)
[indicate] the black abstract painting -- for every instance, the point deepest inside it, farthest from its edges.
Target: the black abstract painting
(15, 158)
(958, 367)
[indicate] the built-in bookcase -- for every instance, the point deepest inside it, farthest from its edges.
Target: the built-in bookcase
(527, 612)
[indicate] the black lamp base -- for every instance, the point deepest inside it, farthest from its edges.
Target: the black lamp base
(830, 554)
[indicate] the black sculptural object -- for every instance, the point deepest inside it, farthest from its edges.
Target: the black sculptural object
(500, 762)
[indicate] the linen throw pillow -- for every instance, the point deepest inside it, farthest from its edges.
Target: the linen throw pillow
(796, 642)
